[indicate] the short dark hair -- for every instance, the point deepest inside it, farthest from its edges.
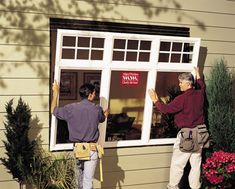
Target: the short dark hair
(86, 89)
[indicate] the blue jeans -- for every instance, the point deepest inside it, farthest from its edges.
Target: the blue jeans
(85, 170)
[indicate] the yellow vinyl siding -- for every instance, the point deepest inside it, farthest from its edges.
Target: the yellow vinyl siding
(138, 166)
(213, 33)
(24, 53)
(25, 37)
(24, 20)
(223, 48)
(190, 5)
(23, 6)
(210, 60)
(35, 69)
(25, 86)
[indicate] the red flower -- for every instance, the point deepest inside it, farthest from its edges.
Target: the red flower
(219, 168)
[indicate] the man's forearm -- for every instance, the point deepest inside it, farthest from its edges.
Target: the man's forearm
(54, 102)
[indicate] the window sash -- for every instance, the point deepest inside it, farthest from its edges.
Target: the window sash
(107, 65)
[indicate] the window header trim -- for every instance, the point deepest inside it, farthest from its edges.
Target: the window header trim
(117, 27)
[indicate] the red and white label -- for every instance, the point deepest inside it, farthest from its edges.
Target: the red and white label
(130, 78)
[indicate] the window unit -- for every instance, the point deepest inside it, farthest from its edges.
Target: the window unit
(129, 64)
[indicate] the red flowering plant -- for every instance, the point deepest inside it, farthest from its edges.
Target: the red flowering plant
(219, 170)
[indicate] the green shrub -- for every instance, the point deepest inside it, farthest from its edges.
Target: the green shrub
(221, 118)
(19, 149)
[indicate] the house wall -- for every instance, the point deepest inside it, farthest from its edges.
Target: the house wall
(25, 66)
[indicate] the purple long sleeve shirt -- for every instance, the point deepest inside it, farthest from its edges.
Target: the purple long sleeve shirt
(187, 107)
(82, 119)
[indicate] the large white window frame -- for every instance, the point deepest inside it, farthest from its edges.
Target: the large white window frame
(107, 65)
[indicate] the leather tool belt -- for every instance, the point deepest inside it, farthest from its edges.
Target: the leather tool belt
(82, 150)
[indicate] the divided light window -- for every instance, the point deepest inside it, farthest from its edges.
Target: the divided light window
(82, 48)
(175, 52)
(131, 50)
(123, 66)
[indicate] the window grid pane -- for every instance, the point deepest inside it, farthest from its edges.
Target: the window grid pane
(68, 53)
(69, 41)
(131, 50)
(83, 42)
(86, 48)
(175, 52)
(83, 54)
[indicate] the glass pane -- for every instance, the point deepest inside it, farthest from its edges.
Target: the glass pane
(127, 96)
(131, 56)
(70, 82)
(119, 44)
(188, 47)
(98, 42)
(83, 54)
(187, 58)
(175, 58)
(118, 55)
(69, 41)
(145, 45)
(83, 41)
(167, 89)
(68, 53)
(132, 44)
(97, 55)
(163, 57)
(165, 46)
(144, 56)
(177, 46)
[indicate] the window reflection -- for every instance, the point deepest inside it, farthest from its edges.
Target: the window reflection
(167, 89)
(82, 76)
(126, 105)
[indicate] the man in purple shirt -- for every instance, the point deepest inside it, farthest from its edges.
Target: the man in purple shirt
(82, 119)
(188, 111)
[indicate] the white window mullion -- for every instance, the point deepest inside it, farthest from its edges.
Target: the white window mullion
(151, 80)
(138, 51)
(90, 47)
(170, 52)
(125, 52)
(105, 83)
(155, 49)
(182, 53)
(196, 50)
(148, 107)
(76, 48)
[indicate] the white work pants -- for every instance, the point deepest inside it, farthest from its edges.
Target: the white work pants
(85, 170)
(179, 161)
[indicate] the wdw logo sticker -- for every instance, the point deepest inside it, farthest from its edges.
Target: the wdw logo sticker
(130, 78)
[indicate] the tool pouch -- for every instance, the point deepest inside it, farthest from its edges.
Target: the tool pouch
(82, 151)
(189, 140)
